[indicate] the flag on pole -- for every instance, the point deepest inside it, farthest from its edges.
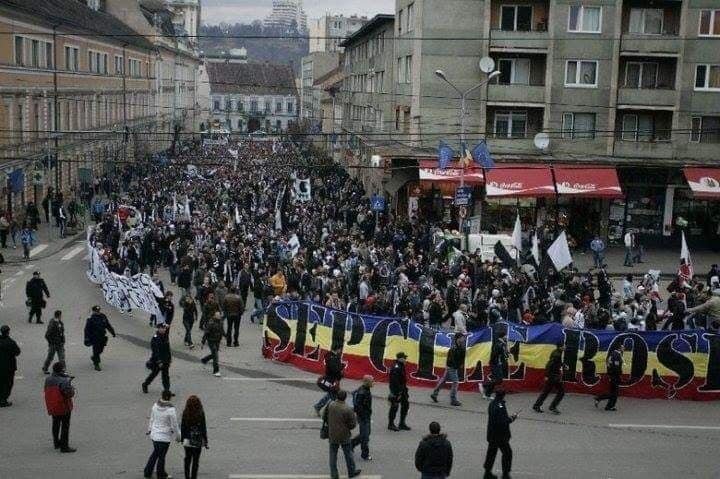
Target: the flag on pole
(187, 206)
(237, 216)
(517, 237)
(503, 255)
(174, 214)
(445, 155)
(294, 245)
(559, 252)
(482, 156)
(536, 249)
(686, 268)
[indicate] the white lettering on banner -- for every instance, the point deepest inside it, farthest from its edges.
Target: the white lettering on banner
(516, 185)
(578, 186)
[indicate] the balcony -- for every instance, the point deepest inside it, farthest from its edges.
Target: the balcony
(651, 30)
(501, 40)
(647, 81)
(650, 44)
(647, 97)
(644, 149)
(643, 134)
(516, 93)
(520, 26)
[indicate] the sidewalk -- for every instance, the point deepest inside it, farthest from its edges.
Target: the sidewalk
(665, 260)
(47, 242)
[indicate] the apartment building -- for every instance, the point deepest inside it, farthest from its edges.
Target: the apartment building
(70, 97)
(623, 88)
(328, 31)
(314, 66)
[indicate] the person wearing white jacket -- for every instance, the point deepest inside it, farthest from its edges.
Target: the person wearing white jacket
(163, 428)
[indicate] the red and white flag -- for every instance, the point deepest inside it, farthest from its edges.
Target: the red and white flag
(685, 272)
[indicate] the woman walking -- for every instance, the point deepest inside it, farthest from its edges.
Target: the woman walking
(162, 429)
(193, 434)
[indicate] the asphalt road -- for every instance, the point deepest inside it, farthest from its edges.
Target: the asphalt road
(260, 420)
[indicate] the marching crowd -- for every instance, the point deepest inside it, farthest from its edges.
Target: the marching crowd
(230, 222)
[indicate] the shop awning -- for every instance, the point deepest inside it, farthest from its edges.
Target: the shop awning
(519, 180)
(587, 182)
(430, 172)
(704, 182)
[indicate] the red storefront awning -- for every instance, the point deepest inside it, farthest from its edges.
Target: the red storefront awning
(704, 182)
(519, 180)
(430, 172)
(587, 182)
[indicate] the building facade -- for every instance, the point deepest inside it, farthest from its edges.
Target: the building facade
(615, 84)
(314, 66)
(287, 15)
(328, 31)
(246, 97)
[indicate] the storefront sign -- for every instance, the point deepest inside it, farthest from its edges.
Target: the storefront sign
(463, 195)
(532, 181)
(377, 203)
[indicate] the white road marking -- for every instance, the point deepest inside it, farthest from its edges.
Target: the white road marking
(86, 257)
(664, 426)
(300, 380)
(38, 249)
(29, 265)
(295, 476)
(72, 253)
(274, 419)
(18, 273)
(19, 377)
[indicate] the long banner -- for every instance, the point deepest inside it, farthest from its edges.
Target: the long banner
(658, 364)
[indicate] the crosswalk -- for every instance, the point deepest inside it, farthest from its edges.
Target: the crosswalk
(72, 253)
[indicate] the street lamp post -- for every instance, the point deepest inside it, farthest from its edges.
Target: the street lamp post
(463, 114)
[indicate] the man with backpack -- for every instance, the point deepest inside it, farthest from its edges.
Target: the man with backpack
(362, 405)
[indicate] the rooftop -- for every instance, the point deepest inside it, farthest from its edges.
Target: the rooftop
(375, 22)
(251, 78)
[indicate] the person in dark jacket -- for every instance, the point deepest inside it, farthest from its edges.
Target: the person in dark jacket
(498, 436)
(362, 405)
(233, 306)
(96, 327)
(55, 336)
(341, 421)
(553, 380)
(58, 401)
(434, 455)
(454, 361)
(333, 374)
(160, 359)
(614, 364)
(398, 394)
(9, 351)
(193, 434)
(498, 364)
(190, 314)
(184, 280)
(213, 337)
(34, 290)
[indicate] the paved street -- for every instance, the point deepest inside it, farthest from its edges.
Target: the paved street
(261, 424)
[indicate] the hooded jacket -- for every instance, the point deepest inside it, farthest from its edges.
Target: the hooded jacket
(434, 455)
(163, 425)
(58, 395)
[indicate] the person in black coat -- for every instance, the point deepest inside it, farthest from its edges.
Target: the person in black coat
(434, 454)
(498, 436)
(333, 374)
(614, 364)
(498, 364)
(398, 394)
(9, 351)
(95, 334)
(34, 290)
(553, 380)
(160, 359)
(362, 405)
(455, 359)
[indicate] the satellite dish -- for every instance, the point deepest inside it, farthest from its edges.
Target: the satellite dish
(487, 64)
(542, 141)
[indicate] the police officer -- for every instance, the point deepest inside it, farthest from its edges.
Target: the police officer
(553, 380)
(95, 334)
(160, 359)
(398, 394)
(614, 364)
(498, 364)
(498, 436)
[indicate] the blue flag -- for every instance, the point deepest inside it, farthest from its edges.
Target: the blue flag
(445, 155)
(17, 181)
(481, 155)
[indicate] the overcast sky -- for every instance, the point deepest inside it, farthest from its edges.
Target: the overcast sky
(245, 11)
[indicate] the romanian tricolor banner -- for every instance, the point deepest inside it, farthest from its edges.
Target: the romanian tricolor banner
(657, 364)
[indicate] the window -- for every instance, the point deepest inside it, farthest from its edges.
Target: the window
(710, 23)
(253, 106)
(707, 77)
(641, 75)
(267, 106)
(581, 73)
(400, 22)
(510, 124)
(278, 125)
(646, 21)
(705, 129)
(216, 104)
(72, 55)
(134, 68)
(290, 107)
(516, 18)
(240, 125)
(34, 53)
(410, 17)
(97, 62)
(584, 19)
(19, 51)
(578, 125)
(118, 65)
(645, 127)
(49, 55)
(514, 71)
(401, 69)
(240, 105)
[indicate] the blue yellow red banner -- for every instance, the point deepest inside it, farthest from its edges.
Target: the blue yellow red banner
(683, 364)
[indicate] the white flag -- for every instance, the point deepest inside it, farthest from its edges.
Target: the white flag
(686, 270)
(559, 252)
(174, 214)
(237, 216)
(536, 249)
(294, 245)
(187, 206)
(517, 237)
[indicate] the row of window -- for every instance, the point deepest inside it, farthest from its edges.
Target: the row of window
(374, 46)
(406, 19)
(33, 53)
(241, 125)
(370, 83)
(239, 105)
(404, 69)
(588, 19)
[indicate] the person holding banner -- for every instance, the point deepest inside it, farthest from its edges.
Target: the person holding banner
(553, 380)
(498, 364)
(398, 397)
(614, 364)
